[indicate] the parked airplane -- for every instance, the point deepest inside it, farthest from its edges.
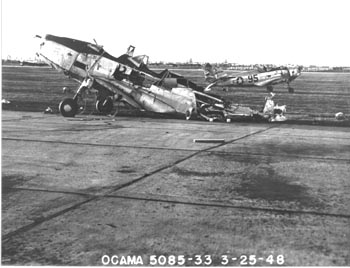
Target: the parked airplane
(261, 77)
(127, 79)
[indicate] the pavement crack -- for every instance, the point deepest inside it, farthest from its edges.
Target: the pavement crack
(122, 186)
(179, 149)
(118, 187)
(164, 199)
(97, 144)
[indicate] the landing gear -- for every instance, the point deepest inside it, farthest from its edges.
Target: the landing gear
(269, 88)
(68, 107)
(104, 106)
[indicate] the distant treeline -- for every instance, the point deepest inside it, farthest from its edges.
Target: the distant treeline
(176, 65)
(242, 67)
(227, 66)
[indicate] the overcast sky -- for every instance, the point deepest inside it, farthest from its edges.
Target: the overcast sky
(241, 31)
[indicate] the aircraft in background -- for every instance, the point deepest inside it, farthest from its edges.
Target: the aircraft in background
(261, 77)
(128, 79)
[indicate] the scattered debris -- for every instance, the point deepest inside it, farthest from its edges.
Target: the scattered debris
(209, 140)
(340, 116)
(4, 101)
(272, 112)
(48, 110)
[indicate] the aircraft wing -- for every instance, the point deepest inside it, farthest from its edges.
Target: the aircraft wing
(270, 81)
(230, 75)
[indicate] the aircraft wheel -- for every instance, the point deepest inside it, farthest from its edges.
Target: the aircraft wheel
(291, 90)
(104, 106)
(68, 107)
(269, 88)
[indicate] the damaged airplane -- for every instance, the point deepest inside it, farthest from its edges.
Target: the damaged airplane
(128, 79)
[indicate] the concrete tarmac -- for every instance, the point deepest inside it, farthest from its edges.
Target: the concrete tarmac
(75, 190)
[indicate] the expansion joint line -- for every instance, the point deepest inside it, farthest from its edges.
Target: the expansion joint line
(201, 203)
(44, 219)
(94, 144)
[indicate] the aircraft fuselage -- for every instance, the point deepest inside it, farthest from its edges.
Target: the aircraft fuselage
(260, 79)
(84, 61)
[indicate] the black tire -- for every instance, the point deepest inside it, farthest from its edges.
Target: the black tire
(68, 107)
(104, 106)
(269, 88)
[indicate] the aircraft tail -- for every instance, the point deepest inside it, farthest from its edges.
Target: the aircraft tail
(210, 73)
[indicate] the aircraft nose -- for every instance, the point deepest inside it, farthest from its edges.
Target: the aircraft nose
(297, 72)
(300, 68)
(294, 73)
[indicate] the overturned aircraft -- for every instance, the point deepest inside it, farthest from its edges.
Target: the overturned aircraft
(128, 79)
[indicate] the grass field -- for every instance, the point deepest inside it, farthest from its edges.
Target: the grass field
(317, 95)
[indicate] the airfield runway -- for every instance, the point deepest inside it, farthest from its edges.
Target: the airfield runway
(77, 189)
